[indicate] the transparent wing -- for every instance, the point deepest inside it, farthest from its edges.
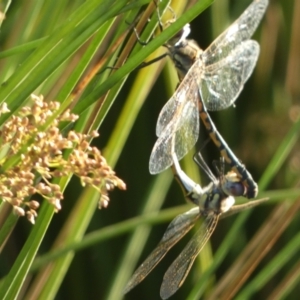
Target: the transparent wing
(175, 231)
(171, 111)
(177, 125)
(241, 30)
(178, 138)
(178, 271)
(223, 81)
(175, 108)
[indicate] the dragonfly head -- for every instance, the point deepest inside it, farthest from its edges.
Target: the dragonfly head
(231, 185)
(180, 37)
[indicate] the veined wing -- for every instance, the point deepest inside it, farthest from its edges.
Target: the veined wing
(178, 137)
(241, 30)
(175, 231)
(178, 271)
(186, 92)
(177, 125)
(222, 82)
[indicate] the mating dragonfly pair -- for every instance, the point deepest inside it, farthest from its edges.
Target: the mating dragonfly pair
(210, 80)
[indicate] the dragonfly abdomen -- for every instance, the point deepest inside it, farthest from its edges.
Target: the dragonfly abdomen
(229, 156)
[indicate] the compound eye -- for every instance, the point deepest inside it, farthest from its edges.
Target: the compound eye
(234, 189)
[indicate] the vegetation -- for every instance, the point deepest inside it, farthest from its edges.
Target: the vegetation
(61, 50)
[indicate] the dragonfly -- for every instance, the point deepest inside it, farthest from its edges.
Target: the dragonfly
(212, 202)
(209, 80)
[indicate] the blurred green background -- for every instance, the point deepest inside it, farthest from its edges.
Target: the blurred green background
(262, 130)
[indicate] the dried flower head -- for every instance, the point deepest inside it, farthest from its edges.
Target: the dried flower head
(40, 148)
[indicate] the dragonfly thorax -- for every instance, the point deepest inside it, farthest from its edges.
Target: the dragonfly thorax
(215, 201)
(184, 56)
